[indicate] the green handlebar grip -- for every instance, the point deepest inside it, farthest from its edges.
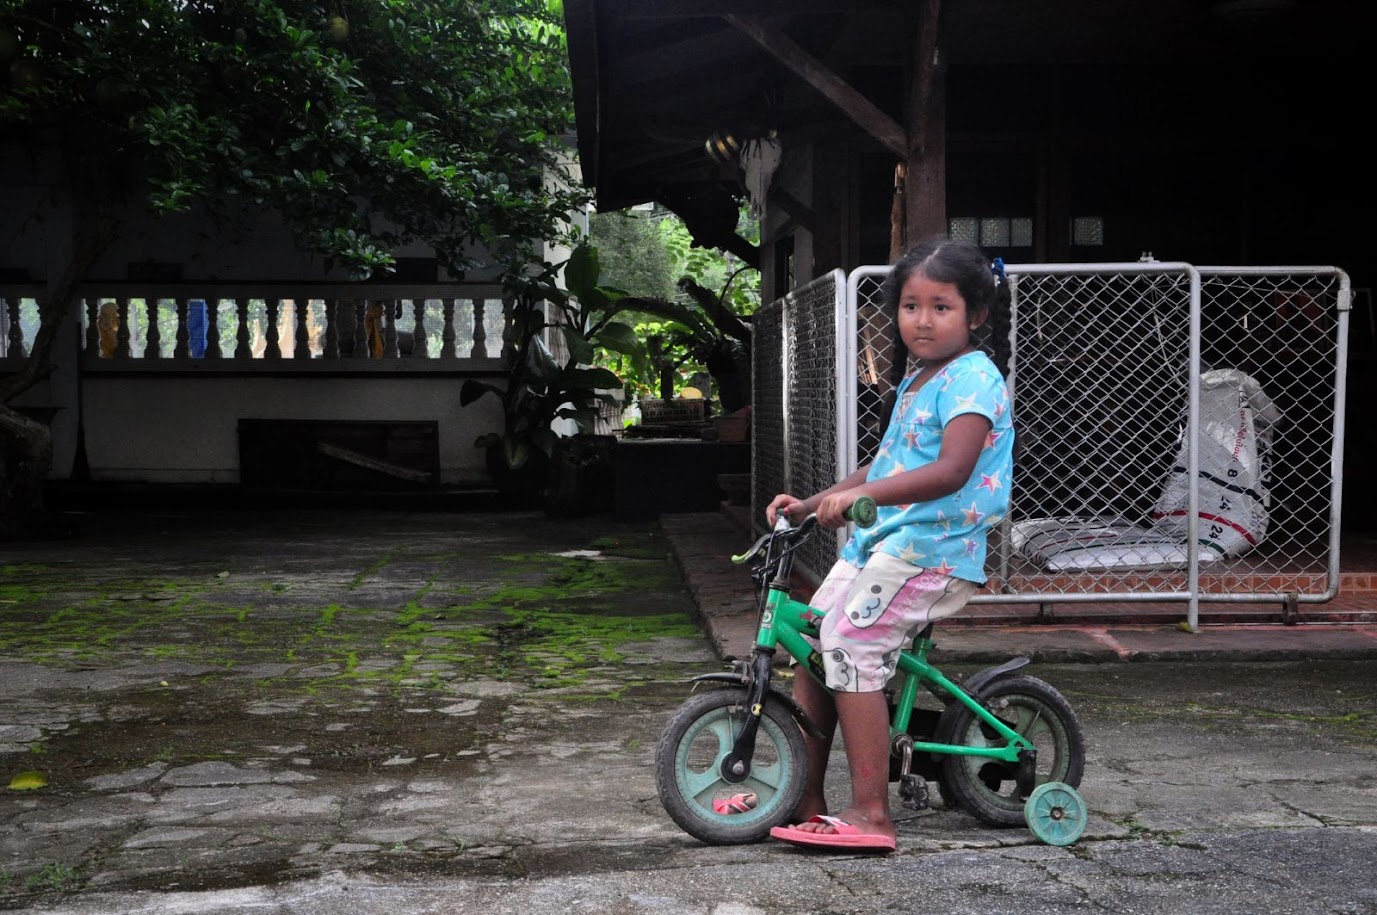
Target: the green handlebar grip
(862, 511)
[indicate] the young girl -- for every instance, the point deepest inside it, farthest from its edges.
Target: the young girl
(941, 478)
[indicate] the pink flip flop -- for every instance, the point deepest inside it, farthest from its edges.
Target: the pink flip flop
(737, 803)
(846, 836)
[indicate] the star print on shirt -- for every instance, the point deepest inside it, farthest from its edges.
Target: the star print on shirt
(944, 569)
(909, 554)
(965, 404)
(971, 547)
(991, 438)
(973, 515)
(943, 521)
(911, 436)
(989, 481)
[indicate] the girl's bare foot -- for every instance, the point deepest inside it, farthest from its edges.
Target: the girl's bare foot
(866, 824)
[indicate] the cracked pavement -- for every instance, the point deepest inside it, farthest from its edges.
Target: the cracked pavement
(428, 713)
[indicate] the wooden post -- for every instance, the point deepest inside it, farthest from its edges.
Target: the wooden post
(925, 172)
(898, 229)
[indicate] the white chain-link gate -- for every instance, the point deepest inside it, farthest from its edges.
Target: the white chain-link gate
(1112, 363)
(797, 382)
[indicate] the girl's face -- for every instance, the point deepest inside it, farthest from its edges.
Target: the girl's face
(934, 322)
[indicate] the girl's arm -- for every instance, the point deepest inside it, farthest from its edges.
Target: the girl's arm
(963, 438)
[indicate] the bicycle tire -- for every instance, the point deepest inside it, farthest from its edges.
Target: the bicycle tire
(987, 788)
(688, 758)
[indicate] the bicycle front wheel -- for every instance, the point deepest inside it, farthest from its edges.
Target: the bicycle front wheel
(688, 769)
(988, 788)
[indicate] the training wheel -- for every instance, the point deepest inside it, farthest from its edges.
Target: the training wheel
(1055, 813)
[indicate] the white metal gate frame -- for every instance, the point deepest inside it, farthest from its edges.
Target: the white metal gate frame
(789, 393)
(798, 384)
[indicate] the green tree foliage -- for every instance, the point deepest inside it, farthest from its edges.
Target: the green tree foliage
(684, 300)
(366, 124)
(633, 253)
(737, 285)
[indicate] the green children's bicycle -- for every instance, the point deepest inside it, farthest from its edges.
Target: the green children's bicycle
(1006, 747)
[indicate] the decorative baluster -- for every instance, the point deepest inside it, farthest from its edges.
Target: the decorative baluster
(480, 333)
(16, 335)
(183, 348)
(420, 345)
(213, 328)
(361, 330)
(331, 350)
(92, 326)
(273, 351)
(389, 317)
(243, 349)
(447, 335)
(508, 338)
(122, 335)
(153, 340)
(303, 328)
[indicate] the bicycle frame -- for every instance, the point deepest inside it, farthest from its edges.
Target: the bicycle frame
(785, 621)
(982, 759)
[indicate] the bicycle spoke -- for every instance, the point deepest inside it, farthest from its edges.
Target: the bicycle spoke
(725, 730)
(702, 785)
(1029, 729)
(765, 777)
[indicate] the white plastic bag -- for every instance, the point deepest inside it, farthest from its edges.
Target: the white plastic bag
(1236, 424)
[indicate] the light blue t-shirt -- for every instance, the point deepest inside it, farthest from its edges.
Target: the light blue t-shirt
(947, 534)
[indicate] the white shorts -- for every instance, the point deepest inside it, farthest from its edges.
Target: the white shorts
(873, 612)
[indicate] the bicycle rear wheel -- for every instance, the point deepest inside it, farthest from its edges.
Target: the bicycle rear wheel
(688, 768)
(988, 788)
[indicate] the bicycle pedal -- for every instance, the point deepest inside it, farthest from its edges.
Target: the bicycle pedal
(914, 791)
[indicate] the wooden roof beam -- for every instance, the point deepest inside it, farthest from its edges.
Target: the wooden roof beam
(838, 91)
(694, 9)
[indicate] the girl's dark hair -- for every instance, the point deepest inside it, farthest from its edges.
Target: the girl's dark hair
(966, 267)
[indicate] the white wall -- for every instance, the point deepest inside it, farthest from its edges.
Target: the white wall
(164, 430)
(176, 429)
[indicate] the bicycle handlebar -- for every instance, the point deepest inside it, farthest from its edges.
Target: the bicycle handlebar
(862, 513)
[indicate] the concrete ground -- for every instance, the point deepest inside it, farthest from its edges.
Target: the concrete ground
(366, 711)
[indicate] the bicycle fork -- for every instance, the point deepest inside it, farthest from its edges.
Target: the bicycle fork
(736, 765)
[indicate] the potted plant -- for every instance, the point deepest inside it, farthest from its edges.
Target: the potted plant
(540, 389)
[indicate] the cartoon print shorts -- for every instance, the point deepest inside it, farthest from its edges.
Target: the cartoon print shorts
(873, 612)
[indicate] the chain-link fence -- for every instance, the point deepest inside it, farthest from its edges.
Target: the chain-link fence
(797, 350)
(1112, 364)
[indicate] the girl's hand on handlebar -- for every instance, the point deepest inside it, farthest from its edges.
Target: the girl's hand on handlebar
(791, 507)
(832, 511)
